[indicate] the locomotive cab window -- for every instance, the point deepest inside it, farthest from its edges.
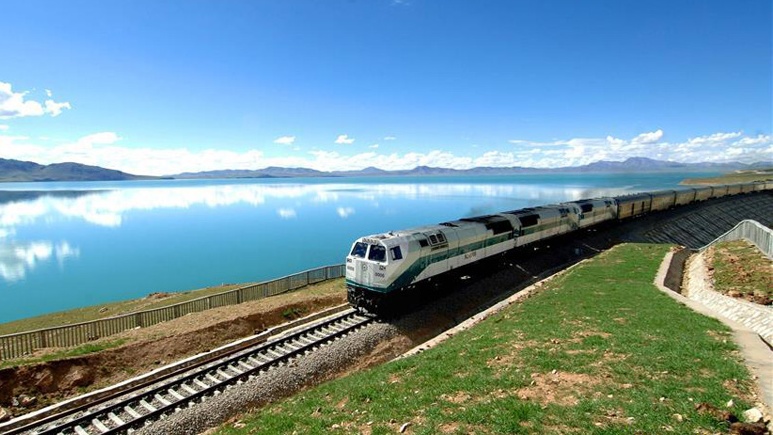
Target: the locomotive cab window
(359, 250)
(397, 254)
(377, 253)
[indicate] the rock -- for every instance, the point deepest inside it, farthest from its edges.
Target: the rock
(5, 414)
(730, 403)
(27, 401)
(404, 427)
(752, 415)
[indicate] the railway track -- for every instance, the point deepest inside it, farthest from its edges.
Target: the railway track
(127, 411)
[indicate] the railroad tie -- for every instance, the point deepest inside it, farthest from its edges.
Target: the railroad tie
(116, 419)
(129, 410)
(99, 425)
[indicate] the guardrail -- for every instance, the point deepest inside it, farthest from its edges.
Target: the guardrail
(752, 231)
(24, 343)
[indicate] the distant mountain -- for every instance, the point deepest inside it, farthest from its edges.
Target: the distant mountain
(16, 170)
(270, 172)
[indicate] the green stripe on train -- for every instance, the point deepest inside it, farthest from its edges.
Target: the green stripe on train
(407, 277)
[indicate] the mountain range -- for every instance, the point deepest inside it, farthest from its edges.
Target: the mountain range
(16, 170)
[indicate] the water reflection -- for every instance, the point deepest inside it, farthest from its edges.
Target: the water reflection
(16, 258)
(107, 208)
(25, 215)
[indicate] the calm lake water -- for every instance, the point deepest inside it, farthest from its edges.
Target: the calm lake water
(67, 245)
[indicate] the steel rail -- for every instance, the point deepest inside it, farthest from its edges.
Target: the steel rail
(175, 392)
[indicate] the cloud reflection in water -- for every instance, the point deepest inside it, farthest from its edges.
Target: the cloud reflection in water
(17, 258)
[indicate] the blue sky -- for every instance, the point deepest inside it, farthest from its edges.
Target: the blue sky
(160, 87)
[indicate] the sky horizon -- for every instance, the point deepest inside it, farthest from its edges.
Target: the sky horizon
(164, 87)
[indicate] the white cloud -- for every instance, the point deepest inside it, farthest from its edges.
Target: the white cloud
(15, 105)
(4, 127)
(760, 139)
(374, 146)
(109, 150)
(344, 139)
(648, 138)
(390, 138)
(285, 140)
(55, 108)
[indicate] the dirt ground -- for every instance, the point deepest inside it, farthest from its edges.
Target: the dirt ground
(740, 270)
(148, 348)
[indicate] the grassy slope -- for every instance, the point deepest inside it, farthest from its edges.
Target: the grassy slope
(600, 350)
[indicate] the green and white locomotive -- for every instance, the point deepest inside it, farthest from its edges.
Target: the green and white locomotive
(380, 267)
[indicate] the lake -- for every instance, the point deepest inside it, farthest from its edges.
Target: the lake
(66, 245)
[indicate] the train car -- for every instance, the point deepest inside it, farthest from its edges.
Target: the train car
(702, 193)
(686, 196)
(534, 224)
(633, 205)
(663, 200)
(382, 266)
(593, 211)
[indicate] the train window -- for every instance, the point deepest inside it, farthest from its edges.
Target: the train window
(377, 253)
(441, 238)
(433, 239)
(586, 208)
(397, 254)
(529, 220)
(423, 243)
(359, 250)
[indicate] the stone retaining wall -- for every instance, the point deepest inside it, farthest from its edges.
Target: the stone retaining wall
(698, 287)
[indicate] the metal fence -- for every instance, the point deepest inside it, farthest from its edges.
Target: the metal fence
(752, 231)
(24, 343)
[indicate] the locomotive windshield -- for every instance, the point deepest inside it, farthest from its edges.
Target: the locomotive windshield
(359, 250)
(377, 253)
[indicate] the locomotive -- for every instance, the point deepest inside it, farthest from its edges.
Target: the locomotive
(380, 267)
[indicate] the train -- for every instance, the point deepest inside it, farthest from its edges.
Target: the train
(381, 267)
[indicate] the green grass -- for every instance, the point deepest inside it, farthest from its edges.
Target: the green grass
(600, 350)
(734, 177)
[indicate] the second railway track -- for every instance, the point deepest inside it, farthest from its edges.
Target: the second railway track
(136, 408)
